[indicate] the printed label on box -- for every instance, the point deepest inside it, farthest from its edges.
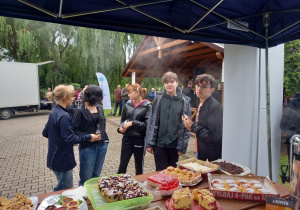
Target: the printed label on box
(279, 204)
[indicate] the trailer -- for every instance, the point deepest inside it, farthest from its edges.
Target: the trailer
(19, 88)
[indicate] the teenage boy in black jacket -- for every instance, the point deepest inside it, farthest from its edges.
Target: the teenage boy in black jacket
(209, 120)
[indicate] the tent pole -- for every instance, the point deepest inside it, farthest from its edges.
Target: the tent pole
(266, 23)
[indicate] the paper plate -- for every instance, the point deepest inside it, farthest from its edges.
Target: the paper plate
(53, 199)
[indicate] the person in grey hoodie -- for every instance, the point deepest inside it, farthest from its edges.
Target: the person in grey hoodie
(166, 135)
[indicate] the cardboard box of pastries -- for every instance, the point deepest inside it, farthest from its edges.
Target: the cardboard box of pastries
(199, 166)
(241, 187)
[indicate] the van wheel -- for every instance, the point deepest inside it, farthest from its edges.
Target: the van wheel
(5, 114)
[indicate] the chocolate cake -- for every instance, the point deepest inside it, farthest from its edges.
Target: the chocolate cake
(229, 167)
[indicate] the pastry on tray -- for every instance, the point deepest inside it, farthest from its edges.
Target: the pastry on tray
(184, 176)
(18, 202)
(66, 200)
(230, 168)
(205, 199)
(198, 165)
(239, 185)
(120, 187)
(182, 199)
(73, 204)
(52, 207)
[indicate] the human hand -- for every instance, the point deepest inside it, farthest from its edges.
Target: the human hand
(150, 150)
(187, 122)
(180, 153)
(122, 129)
(95, 137)
(128, 124)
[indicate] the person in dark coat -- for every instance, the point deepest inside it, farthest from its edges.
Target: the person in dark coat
(61, 138)
(218, 94)
(89, 118)
(188, 91)
(209, 120)
(290, 121)
(133, 126)
(166, 137)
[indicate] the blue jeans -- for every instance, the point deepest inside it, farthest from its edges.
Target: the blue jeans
(118, 103)
(65, 180)
(91, 162)
(124, 102)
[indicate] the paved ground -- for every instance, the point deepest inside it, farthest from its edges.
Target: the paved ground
(23, 154)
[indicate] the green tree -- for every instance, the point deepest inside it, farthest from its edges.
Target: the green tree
(292, 67)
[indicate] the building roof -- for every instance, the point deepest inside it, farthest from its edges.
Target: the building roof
(156, 55)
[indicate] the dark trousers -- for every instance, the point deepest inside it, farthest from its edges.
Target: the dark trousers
(133, 145)
(118, 103)
(165, 157)
(49, 106)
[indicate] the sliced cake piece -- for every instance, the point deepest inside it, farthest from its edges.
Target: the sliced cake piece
(207, 202)
(203, 192)
(182, 199)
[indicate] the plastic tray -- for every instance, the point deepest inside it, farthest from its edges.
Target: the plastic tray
(100, 203)
(53, 199)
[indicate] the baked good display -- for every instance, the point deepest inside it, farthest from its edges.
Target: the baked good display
(120, 187)
(239, 185)
(184, 176)
(182, 199)
(196, 166)
(205, 199)
(198, 199)
(51, 207)
(18, 202)
(73, 204)
(4, 203)
(199, 166)
(230, 168)
(66, 200)
(163, 181)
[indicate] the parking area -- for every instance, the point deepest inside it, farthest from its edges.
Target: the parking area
(23, 152)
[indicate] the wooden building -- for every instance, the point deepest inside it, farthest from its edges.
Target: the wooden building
(155, 55)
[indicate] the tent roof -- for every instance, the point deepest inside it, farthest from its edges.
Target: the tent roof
(232, 21)
(154, 56)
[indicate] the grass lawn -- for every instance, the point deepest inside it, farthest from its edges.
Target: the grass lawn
(108, 111)
(283, 161)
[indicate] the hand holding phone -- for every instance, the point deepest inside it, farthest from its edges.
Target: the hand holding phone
(185, 116)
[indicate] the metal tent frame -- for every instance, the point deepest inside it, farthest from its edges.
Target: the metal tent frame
(190, 31)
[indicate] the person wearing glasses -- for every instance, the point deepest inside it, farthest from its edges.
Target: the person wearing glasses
(209, 120)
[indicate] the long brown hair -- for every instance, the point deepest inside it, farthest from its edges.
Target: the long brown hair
(138, 88)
